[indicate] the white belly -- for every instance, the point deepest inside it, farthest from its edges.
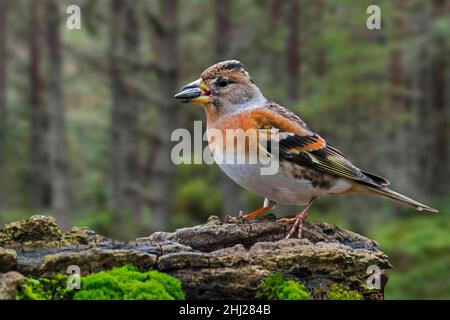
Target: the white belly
(291, 184)
(282, 187)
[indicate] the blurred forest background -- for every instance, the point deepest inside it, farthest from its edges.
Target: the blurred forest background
(86, 115)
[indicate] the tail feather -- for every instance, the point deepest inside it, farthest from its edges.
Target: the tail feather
(380, 180)
(388, 193)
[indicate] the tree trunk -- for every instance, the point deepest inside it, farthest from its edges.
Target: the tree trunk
(274, 33)
(124, 46)
(293, 50)
(440, 149)
(320, 66)
(38, 123)
(223, 34)
(3, 59)
(440, 114)
(131, 116)
(399, 168)
(291, 15)
(434, 108)
(117, 153)
(167, 55)
(232, 200)
(59, 163)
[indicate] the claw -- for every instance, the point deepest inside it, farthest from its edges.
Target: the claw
(234, 219)
(298, 226)
(286, 220)
(299, 219)
(229, 219)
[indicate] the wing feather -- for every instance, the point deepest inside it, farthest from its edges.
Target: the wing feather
(301, 145)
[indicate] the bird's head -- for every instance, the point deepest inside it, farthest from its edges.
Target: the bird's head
(225, 86)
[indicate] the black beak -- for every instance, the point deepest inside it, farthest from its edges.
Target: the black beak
(192, 92)
(189, 92)
(192, 85)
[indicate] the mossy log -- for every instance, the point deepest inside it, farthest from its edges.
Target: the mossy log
(213, 261)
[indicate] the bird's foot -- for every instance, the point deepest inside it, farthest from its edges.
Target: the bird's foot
(246, 217)
(298, 221)
(233, 219)
(297, 228)
(287, 220)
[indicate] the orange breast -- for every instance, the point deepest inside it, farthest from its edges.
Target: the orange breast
(238, 132)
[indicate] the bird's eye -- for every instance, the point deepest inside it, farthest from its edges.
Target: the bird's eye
(221, 82)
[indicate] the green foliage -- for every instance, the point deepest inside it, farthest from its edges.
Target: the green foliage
(191, 195)
(124, 283)
(419, 251)
(423, 280)
(341, 292)
(100, 221)
(54, 288)
(276, 287)
(417, 237)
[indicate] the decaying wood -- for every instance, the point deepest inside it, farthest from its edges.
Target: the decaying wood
(213, 261)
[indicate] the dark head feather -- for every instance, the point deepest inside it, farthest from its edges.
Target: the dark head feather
(222, 67)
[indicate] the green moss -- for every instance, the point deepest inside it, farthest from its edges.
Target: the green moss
(36, 228)
(54, 288)
(341, 292)
(276, 287)
(127, 283)
(124, 283)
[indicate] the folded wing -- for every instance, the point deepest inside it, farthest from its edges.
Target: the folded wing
(299, 144)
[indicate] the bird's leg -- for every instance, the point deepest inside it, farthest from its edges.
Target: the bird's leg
(299, 219)
(268, 204)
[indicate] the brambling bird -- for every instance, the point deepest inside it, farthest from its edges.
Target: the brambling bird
(309, 167)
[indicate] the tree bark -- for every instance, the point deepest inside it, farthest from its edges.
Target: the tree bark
(59, 163)
(118, 172)
(232, 201)
(124, 46)
(3, 60)
(434, 106)
(273, 33)
(399, 168)
(440, 149)
(440, 102)
(210, 267)
(131, 114)
(321, 52)
(38, 116)
(293, 50)
(167, 55)
(275, 10)
(223, 34)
